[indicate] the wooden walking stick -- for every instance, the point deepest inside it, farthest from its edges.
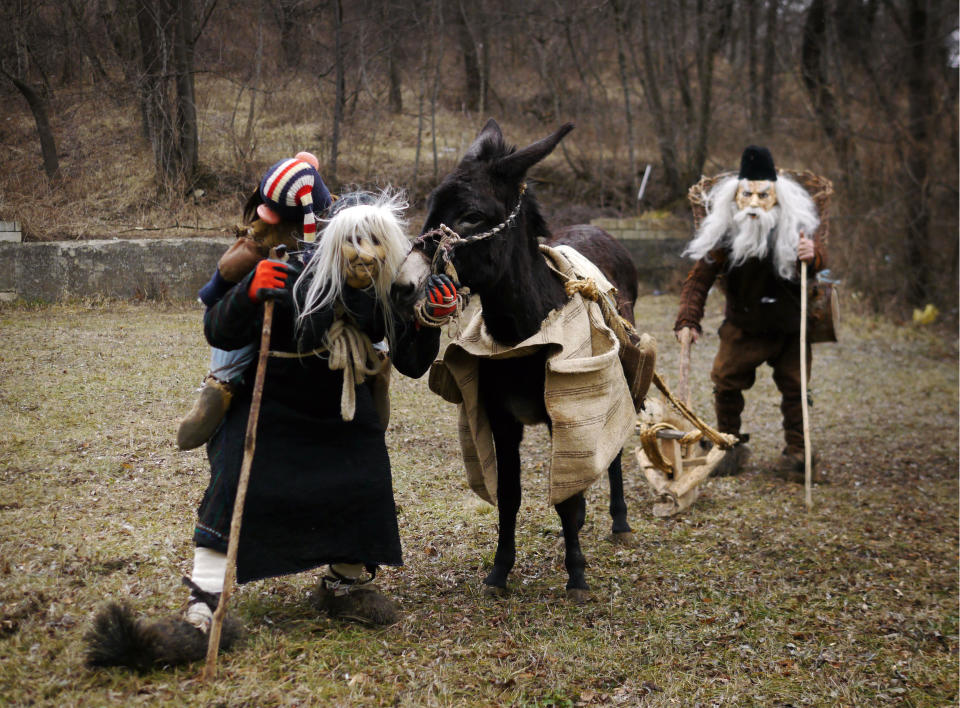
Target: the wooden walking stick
(249, 443)
(686, 337)
(807, 463)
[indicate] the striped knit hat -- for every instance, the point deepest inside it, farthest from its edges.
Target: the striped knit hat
(293, 189)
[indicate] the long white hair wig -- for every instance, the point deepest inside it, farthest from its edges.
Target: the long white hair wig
(793, 213)
(356, 217)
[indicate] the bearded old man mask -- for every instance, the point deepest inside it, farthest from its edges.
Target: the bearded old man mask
(756, 194)
(755, 212)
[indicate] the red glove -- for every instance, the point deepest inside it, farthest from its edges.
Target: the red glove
(441, 296)
(270, 280)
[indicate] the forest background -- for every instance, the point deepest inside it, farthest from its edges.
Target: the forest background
(134, 118)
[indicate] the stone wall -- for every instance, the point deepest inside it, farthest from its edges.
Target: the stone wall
(655, 243)
(144, 268)
(174, 269)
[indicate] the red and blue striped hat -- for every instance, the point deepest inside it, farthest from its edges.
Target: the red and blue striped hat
(293, 189)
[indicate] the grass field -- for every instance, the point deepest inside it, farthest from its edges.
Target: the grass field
(745, 599)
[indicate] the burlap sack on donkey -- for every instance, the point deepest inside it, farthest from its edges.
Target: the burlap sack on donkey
(585, 394)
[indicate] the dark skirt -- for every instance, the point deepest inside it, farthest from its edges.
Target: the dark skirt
(320, 488)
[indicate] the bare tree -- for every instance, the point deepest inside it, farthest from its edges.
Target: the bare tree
(673, 39)
(25, 31)
(471, 25)
(340, 91)
(168, 35)
(768, 86)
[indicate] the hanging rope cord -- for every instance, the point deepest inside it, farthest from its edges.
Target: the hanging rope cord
(352, 352)
(348, 350)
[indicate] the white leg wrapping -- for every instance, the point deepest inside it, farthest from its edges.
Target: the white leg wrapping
(209, 569)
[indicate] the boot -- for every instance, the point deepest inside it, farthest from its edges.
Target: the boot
(734, 460)
(205, 416)
(353, 600)
(200, 606)
(791, 466)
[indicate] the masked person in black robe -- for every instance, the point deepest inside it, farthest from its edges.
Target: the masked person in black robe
(320, 490)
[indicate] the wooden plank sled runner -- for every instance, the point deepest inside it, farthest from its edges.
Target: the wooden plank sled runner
(672, 458)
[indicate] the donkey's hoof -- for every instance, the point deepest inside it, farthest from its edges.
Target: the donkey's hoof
(493, 591)
(578, 596)
(623, 538)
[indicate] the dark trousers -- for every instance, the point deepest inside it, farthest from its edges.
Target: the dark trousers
(735, 370)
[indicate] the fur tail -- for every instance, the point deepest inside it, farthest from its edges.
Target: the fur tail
(118, 638)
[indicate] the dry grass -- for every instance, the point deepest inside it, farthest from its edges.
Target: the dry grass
(745, 599)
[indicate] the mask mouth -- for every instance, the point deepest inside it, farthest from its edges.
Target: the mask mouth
(359, 273)
(751, 213)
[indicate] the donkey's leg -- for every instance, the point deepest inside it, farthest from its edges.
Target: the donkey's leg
(621, 531)
(577, 589)
(506, 438)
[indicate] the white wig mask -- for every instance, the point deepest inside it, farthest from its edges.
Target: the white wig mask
(373, 226)
(726, 226)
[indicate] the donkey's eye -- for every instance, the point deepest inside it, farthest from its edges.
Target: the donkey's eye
(470, 220)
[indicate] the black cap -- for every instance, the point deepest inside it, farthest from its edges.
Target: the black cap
(757, 164)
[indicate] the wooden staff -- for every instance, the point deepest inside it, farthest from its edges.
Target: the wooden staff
(686, 335)
(249, 443)
(807, 463)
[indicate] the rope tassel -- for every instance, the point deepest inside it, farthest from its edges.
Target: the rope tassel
(352, 352)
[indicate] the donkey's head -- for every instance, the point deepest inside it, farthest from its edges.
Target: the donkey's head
(482, 201)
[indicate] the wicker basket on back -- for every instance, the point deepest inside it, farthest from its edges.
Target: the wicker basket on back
(823, 311)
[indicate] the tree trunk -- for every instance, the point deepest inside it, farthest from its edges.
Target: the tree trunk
(916, 185)
(473, 81)
(48, 146)
(186, 105)
(625, 85)
(435, 93)
(769, 87)
(816, 84)
(753, 89)
(340, 96)
(392, 32)
(153, 24)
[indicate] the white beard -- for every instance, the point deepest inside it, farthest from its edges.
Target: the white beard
(752, 229)
(724, 226)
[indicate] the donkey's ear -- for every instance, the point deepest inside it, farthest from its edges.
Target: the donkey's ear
(489, 134)
(517, 164)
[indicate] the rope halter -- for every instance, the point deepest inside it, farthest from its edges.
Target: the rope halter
(449, 240)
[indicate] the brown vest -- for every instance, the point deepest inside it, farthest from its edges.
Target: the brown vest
(759, 300)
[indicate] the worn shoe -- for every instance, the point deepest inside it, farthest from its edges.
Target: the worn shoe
(357, 602)
(791, 467)
(205, 416)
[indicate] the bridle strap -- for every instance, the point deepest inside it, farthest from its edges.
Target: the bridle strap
(450, 239)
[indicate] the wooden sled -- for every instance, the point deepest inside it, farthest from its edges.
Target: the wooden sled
(671, 456)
